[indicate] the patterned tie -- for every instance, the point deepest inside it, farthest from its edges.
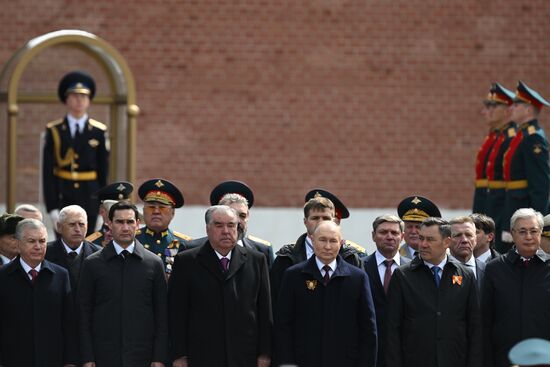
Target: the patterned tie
(224, 262)
(33, 273)
(326, 277)
(437, 279)
(387, 274)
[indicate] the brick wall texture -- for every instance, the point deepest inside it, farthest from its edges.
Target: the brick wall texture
(374, 99)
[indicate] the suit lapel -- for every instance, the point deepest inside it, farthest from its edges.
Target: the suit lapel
(207, 257)
(372, 270)
(238, 259)
(312, 269)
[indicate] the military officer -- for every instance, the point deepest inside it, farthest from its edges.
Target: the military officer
(525, 163)
(160, 198)
(340, 212)
(76, 152)
(413, 210)
(480, 193)
(239, 196)
(500, 113)
(107, 196)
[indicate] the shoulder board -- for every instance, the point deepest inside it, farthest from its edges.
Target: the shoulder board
(138, 231)
(511, 132)
(181, 235)
(94, 236)
(361, 249)
(51, 124)
(99, 125)
(257, 239)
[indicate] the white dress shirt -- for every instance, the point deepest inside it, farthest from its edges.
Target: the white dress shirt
(309, 247)
(76, 124)
(320, 265)
(28, 268)
(69, 250)
(380, 263)
(119, 248)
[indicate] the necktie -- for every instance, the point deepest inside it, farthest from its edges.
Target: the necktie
(124, 254)
(326, 277)
(224, 262)
(76, 132)
(437, 279)
(33, 273)
(387, 274)
(71, 255)
(526, 262)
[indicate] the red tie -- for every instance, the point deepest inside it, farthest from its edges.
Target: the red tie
(33, 273)
(387, 274)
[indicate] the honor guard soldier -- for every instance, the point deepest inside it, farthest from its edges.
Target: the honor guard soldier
(107, 196)
(500, 114)
(239, 196)
(413, 210)
(340, 212)
(160, 198)
(480, 193)
(525, 163)
(76, 152)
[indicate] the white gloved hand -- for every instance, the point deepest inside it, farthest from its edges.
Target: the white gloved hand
(507, 237)
(54, 216)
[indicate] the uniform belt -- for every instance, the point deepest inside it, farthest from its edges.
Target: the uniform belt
(74, 175)
(497, 184)
(481, 183)
(516, 185)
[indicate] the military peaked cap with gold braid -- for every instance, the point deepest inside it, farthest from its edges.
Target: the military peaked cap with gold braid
(162, 191)
(76, 82)
(524, 94)
(416, 209)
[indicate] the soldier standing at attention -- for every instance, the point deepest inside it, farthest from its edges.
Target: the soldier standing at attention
(160, 198)
(525, 164)
(76, 152)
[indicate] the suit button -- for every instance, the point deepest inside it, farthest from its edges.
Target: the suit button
(158, 242)
(76, 185)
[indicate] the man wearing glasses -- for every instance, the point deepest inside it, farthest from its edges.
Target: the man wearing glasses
(525, 163)
(160, 198)
(516, 290)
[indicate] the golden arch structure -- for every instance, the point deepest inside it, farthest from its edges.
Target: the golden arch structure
(121, 82)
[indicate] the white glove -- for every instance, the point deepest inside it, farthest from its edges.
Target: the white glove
(507, 237)
(54, 216)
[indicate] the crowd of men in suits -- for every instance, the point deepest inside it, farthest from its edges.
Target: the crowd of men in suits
(436, 292)
(223, 301)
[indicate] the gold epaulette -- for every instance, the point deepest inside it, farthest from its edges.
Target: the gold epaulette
(53, 123)
(99, 125)
(257, 239)
(511, 132)
(531, 130)
(94, 236)
(138, 231)
(359, 248)
(181, 235)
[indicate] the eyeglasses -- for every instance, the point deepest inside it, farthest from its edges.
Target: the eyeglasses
(524, 232)
(164, 209)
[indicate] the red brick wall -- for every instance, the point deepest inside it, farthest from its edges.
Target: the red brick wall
(373, 100)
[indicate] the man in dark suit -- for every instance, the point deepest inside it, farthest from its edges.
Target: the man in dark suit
(485, 237)
(325, 314)
(239, 196)
(316, 210)
(516, 291)
(387, 234)
(8, 243)
(219, 305)
(122, 300)
(70, 250)
(433, 315)
(76, 152)
(463, 243)
(38, 327)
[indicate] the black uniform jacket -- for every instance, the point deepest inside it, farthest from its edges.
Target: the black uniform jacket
(430, 326)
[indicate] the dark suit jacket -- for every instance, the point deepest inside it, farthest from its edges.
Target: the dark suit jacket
(248, 242)
(38, 325)
(515, 303)
(123, 314)
(220, 319)
(380, 300)
(318, 326)
(429, 326)
(295, 253)
(56, 254)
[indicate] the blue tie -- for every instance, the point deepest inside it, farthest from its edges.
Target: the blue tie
(436, 270)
